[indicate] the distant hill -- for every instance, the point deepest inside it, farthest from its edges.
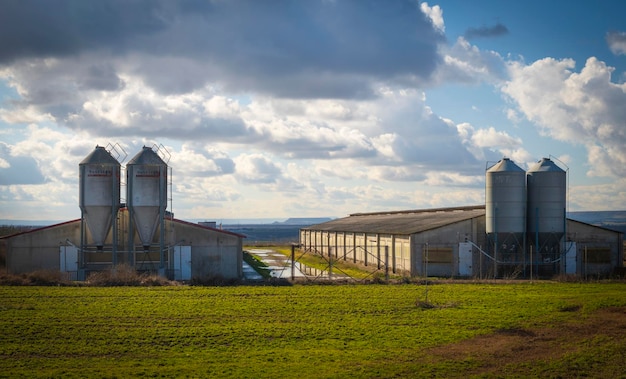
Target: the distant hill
(278, 231)
(36, 223)
(614, 220)
(304, 220)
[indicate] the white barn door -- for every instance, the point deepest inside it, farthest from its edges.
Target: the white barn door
(68, 260)
(182, 263)
(465, 259)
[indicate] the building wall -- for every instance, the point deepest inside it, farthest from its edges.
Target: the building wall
(436, 252)
(39, 250)
(404, 254)
(598, 251)
(213, 253)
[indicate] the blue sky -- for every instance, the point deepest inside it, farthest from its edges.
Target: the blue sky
(276, 109)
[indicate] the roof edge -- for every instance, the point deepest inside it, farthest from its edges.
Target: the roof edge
(426, 210)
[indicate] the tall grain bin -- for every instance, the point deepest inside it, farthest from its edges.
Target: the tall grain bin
(146, 194)
(505, 206)
(547, 192)
(99, 196)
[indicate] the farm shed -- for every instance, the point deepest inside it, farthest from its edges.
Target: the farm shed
(452, 242)
(191, 251)
(595, 250)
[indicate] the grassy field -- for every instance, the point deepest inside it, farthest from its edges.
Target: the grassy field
(540, 329)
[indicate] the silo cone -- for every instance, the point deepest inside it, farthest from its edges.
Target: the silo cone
(547, 192)
(99, 197)
(505, 207)
(146, 196)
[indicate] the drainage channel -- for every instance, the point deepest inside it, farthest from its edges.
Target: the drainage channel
(280, 266)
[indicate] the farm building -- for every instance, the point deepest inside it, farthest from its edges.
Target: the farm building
(451, 242)
(140, 233)
(521, 231)
(192, 251)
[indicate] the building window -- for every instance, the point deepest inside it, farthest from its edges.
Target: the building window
(439, 254)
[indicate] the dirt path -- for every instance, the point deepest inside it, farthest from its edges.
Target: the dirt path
(516, 351)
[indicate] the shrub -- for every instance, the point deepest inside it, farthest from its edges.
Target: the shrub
(125, 275)
(35, 278)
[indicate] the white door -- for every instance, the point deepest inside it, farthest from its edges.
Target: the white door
(68, 261)
(68, 258)
(465, 259)
(182, 262)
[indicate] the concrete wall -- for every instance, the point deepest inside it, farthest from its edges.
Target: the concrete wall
(436, 252)
(214, 253)
(38, 249)
(598, 251)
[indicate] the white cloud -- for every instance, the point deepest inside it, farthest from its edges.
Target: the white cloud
(581, 108)
(450, 179)
(435, 13)
(600, 197)
(312, 108)
(257, 168)
(617, 42)
(193, 161)
(311, 50)
(491, 138)
(466, 63)
(488, 144)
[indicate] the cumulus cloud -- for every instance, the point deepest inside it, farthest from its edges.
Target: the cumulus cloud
(320, 99)
(435, 13)
(583, 107)
(16, 169)
(598, 197)
(450, 179)
(466, 63)
(257, 168)
(191, 161)
(490, 144)
(175, 76)
(289, 49)
(617, 42)
(492, 138)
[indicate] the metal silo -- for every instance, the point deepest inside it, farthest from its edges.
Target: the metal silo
(146, 186)
(99, 196)
(547, 192)
(505, 206)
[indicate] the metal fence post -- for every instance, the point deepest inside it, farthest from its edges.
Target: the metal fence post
(293, 254)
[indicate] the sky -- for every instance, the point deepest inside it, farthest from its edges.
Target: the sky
(320, 108)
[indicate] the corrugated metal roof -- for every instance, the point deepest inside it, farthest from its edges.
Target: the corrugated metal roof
(99, 156)
(400, 222)
(195, 225)
(545, 165)
(147, 156)
(505, 165)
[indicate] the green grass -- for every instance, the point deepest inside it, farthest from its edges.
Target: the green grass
(257, 264)
(286, 331)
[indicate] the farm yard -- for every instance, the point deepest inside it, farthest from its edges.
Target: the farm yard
(523, 329)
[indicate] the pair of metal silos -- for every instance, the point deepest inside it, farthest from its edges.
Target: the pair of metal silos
(526, 214)
(100, 201)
